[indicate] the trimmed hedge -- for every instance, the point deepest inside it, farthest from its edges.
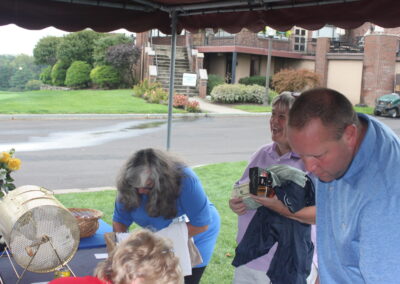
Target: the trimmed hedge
(295, 80)
(253, 80)
(58, 73)
(239, 93)
(105, 77)
(33, 85)
(78, 75)
(45, 76)
(214, 80)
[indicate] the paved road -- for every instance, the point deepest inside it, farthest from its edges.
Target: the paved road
(198, 141)
(60, 154)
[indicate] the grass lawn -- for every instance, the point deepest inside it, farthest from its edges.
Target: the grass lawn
(253, 108)
(217, 180)
(261, 108)
(79, 101)
(366, 110)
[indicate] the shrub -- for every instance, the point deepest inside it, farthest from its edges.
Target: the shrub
(180, 101)
(45, 76)
(254, 94)
(214, 80)
(192, 106)
(144, 86)
(32, 85)
(104, 76)
(295, 80)
(156, 96)
(78, 75)
(271, 95)
(253, 80)
(58, 73)
(238, 93)
(227, 93)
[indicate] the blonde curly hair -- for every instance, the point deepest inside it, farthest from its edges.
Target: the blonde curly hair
(143, 257)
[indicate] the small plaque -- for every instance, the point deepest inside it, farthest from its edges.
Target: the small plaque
(203, 74)
(189, 79)
(153, 70)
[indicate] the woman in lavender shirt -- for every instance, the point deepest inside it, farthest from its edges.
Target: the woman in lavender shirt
(278, 152)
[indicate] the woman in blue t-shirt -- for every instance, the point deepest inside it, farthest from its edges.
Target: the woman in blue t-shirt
(154, 188)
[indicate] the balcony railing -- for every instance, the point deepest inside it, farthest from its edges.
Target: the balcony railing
(247, 40)
(254, 40)
(347, 46)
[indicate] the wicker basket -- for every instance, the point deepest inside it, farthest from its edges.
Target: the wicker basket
(88, 220)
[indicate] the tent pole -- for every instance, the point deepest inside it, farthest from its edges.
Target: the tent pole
(171, 75)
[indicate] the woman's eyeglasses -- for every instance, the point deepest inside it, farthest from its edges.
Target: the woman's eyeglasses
(143, 187)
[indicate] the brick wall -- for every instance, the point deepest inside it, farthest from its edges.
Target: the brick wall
(378, 67)
(321, 61)
(180, 40)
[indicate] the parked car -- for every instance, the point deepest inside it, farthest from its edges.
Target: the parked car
(388, 105)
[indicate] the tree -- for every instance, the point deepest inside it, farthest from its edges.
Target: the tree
(19, 79)
(78, 75)
(24, 69)
(295, 80)
(6, 71)
(102, 44)
(45, 51)
(78, 47)
(123, 57)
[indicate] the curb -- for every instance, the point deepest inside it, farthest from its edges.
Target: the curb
(81, 190)
(122, 116)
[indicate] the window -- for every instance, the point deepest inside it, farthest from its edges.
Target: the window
(300, 36)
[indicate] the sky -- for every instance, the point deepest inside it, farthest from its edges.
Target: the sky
(15, 40)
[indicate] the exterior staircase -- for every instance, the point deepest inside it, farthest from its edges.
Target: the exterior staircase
(162, 60)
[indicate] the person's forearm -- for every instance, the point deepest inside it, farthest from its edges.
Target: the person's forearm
(119, 228)
(305, 215)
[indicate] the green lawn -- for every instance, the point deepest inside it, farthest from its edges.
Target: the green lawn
(253, 108)
(261, 108)
(366, 110)
(79, 101)
(97, 101)
(217, 180)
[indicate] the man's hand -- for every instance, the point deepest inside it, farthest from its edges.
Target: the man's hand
(237, 205)
(272, 203)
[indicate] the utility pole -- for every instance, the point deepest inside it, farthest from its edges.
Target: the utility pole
(268, 70)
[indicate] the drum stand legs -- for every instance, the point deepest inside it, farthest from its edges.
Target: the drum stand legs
(32, 250)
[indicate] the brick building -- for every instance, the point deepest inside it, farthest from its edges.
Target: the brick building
(361, 63)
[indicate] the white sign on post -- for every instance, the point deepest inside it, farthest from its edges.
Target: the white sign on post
(189, 79)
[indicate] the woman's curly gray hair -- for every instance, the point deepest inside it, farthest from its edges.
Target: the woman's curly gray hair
(163, 170)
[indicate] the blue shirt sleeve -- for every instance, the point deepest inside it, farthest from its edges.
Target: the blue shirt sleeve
(121, 215)
(193, 200)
